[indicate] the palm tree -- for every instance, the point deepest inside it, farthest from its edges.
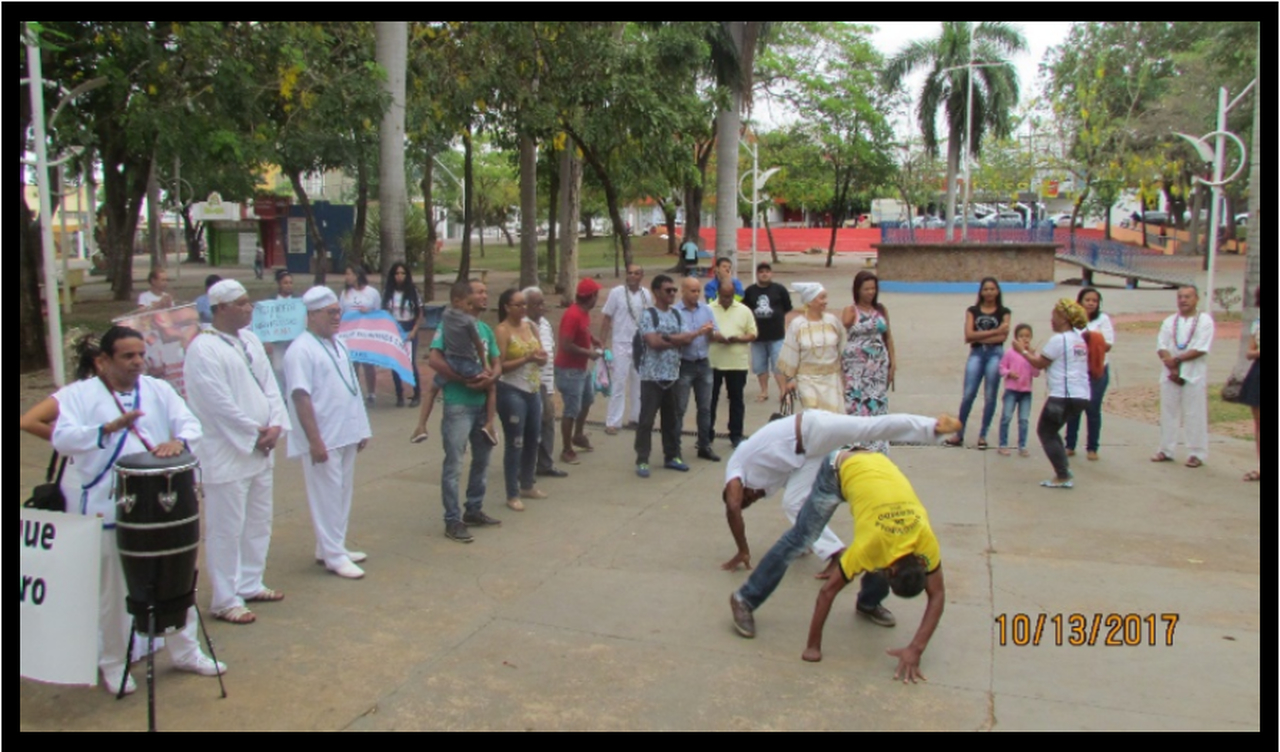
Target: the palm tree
(947, 59)
(393, 54)
(733, 58)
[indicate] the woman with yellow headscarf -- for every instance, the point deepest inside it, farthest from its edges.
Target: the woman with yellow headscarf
(810, 359)
(1065, 358)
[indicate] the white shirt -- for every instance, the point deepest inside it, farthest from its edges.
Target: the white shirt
(149, 299)
(232, 390)
(1178, 331)
(1068, 374)
(369, 298)
(1103, 325)
(86, 406)
(548, 337)
(625, 309)
(323, 370)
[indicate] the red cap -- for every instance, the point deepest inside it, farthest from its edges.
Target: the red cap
(587, 288)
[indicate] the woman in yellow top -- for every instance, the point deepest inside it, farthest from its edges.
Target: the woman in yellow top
(519, 401)
(810, 358)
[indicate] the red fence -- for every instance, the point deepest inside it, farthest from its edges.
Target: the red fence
(791, 240)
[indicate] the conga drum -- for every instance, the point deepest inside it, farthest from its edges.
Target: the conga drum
(158, 534)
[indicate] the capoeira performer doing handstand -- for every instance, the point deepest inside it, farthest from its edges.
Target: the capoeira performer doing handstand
(233, 391)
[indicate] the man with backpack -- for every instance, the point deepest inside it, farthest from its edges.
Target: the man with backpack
(657, 348)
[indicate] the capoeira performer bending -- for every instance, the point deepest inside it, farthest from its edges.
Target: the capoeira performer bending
(232, 389)
(330, 428)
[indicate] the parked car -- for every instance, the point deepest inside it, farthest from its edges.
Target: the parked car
(1006, 220)
(1064, 220)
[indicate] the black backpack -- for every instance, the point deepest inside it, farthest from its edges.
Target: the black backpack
(638, 347)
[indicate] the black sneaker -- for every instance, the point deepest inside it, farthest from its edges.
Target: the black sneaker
(708, 455)
(479, 519)
(552, 473)
(458, 532)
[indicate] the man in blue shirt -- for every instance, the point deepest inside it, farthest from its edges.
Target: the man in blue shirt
(662, 332)
(724, 270)
(696, 374)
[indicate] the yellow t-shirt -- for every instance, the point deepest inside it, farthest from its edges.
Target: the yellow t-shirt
(889, 522)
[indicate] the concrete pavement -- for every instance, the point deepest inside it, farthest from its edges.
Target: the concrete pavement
(603, 607)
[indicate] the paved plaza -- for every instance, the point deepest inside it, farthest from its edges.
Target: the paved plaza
(604, 607)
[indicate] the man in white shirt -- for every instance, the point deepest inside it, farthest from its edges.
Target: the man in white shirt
(330, 427)
(158, 297)
(1185, 340)
(537, 313)
(118, 414)
(233, 391)
(622, 312)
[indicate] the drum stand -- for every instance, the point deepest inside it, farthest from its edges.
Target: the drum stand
(151, 658)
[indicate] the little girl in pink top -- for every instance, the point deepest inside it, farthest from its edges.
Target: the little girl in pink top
(1017, 375)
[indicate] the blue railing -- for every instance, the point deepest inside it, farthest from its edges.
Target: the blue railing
(896, 233)
(1123, 260)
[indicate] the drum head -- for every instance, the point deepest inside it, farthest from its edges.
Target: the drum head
(149, 464)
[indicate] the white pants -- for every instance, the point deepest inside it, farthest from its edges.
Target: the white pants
(114, 621)
(237, 536)
(329, 490)
(1187, 408)
(626, 387)
(825, 433)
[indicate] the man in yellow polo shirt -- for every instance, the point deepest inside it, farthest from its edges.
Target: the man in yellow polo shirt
(731, 359)
(893, 548)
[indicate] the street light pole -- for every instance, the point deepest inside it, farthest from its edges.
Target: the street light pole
(36, 86)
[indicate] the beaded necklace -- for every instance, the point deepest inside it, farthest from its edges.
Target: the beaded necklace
(1177, 324)
(353, 386)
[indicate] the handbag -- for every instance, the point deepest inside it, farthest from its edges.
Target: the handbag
(786, 408)
(48, 497)
(1233, 390)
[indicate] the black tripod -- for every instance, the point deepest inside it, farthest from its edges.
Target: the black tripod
(151, 609)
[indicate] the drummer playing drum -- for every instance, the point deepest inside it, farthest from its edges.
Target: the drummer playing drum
(123, 412)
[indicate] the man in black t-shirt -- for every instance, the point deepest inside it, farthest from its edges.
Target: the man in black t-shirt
(770, 303)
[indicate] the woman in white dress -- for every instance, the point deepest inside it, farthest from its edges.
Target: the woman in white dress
(362, 297)
(810, 358)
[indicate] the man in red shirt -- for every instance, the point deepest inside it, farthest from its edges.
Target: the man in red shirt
(573, 370)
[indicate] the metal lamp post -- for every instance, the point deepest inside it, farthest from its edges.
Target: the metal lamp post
(757, 182)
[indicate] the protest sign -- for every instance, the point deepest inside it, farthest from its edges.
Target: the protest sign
(167, 333)
(279, 320)
(375, 339)
(59, 607)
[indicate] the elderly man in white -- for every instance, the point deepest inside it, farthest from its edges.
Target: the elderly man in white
(330, 427)
(1184, 343)
(622, 312)
(118, 414)
(232, 389)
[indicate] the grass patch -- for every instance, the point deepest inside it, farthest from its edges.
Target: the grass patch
(597, 253)
(1221, 411)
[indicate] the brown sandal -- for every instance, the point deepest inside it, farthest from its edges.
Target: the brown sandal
(1162, 457)
(1194, 463)
(1253, 477)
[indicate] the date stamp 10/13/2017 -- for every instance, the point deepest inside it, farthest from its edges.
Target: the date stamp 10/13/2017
(1084, 630)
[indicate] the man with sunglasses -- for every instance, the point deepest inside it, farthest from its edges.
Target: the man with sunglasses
(662, 333)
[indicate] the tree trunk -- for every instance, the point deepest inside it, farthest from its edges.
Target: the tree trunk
(33, 349)
(191, 233)
(612, 200)
(728, 133)
(773, 247)
(153, 216)
(468, 190)
(428, 205)
(673, 245)
(125, 184)
(506, 232)
(1253, 258)
(953, 170)
(528, 212)
(321, 259)
(588, 226)
(696, 193)
(570, 215)
(393, 198)
(90, 211)
(553, 204)
(361, 226)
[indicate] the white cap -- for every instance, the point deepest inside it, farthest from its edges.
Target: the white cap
(319, 298)
(226, 291)
(808, 291)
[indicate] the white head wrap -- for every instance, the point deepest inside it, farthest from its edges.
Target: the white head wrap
(226, 291)
(319, 298)
(808, 291)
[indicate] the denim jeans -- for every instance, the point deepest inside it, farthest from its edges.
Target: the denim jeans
(1056, 414)
(823, 500)
(1021, 402)
(521, 415)
(1093, 414)
(984, 363)
(736, 383)
(461, 425)
(696, 378)
(658, 397)
(547, 442)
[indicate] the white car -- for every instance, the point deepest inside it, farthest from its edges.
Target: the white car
(1064, 220)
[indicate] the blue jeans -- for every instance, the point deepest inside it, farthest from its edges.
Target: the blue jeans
(696, 377)
(814, 516)
(984, 363)
(1094, 415)
(1020, 401)
(521, 415)
(460, 425)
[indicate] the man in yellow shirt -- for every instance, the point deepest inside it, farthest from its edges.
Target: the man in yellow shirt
(731, 359)
(893, 548)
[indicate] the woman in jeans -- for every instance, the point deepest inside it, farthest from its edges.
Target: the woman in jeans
(519, 399)
(1099, 323)
(986, 329)
(402, 301)
(1065, 358)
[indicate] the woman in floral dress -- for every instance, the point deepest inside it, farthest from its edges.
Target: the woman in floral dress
(868, 358)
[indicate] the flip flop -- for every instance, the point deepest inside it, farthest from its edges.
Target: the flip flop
(266, 596)
(1253, 477)
(239, 615)
(1194, 463)
(1162, 457)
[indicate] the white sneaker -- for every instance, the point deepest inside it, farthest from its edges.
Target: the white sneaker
(357, 557)
(348, 571)
(202, 665)
(112, 684)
